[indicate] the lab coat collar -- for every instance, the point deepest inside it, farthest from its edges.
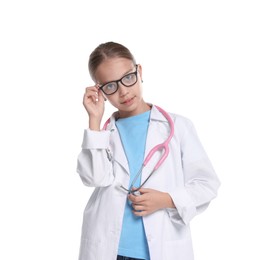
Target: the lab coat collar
(156, 114)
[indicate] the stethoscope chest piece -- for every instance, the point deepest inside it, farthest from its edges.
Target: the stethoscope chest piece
(136, 193)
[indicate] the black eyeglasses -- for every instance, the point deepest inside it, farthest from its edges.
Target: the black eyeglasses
(128, 80)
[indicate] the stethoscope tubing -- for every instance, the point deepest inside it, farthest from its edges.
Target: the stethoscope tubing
(162, 146)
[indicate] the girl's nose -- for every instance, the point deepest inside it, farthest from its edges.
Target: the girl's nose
(123, 90)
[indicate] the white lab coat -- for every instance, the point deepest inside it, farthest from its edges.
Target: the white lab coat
(187, 175)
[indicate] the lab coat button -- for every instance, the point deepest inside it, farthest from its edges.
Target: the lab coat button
(149, 237)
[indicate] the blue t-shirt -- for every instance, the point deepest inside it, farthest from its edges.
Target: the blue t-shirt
(133, 132)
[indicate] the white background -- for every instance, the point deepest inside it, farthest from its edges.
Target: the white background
(211, 61)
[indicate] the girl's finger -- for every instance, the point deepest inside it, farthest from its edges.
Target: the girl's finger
(137, 207)
(140, 213)
(93, 93)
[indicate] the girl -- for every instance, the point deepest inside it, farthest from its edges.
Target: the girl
(138, 213)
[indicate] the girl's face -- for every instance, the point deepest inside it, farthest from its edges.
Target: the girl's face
(128, 100)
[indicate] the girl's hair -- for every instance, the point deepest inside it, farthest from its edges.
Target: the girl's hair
(106, 51)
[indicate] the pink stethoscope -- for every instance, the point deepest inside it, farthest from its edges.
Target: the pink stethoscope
(163, 146)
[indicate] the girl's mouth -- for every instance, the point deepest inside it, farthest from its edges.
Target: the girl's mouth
(128, 101)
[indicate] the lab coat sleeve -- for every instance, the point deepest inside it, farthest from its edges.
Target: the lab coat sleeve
(94, 163)
(200, 180)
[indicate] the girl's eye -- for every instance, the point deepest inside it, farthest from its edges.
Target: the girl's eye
(110, 86)
(128, 77)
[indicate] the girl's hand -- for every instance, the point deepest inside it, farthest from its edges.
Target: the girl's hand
(150, 201)
(93, 101)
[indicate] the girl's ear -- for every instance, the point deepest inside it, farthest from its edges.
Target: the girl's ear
(139, 69)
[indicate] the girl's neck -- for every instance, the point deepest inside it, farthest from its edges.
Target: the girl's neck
(143, 108)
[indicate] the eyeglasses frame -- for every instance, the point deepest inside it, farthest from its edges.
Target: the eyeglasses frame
(120, 80)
